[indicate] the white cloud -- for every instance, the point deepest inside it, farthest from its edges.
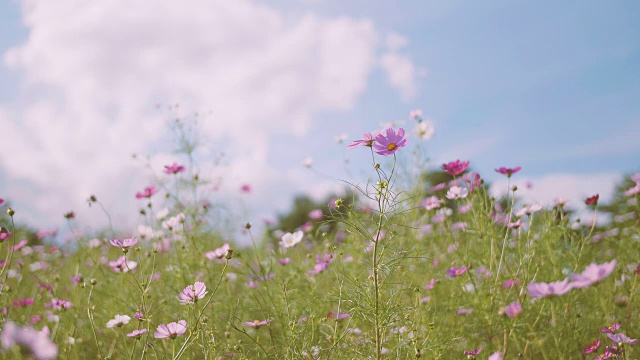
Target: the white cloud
(401, 73)
(93, 72)
(573, 187)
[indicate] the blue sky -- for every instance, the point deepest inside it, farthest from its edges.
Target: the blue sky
(550, 86)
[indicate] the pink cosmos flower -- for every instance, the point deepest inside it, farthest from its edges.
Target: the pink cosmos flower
(389, 141)
(592, 274)
(510, 283)
(245, 188)
(171, 330)
(528, 210)
(455, 168)
(455, 271)
(540, 289)
(593, 200)
(124, 244)
(4, 235)
(137, 333)
(316, 214)
(148, 192)
(508, 171)
(463, 311)
(58, 304)
(19, 245)
(496, 356)
(592, 347)
(513, 310)
(257, 323)
(438, 187)
(218, 253)
(284, 261)
(23, 302)
(192, 293)
(633, 190)
(1, 201)
(621, 338)
(138, 316)
(77, 279)
(31, 341)
(473, 352)
(473, 179)
(367, 140)
(322, 264)
(122, 265)
(431, 203)
(610, 329)
(173, 169)
(515, 225)
(432, 283)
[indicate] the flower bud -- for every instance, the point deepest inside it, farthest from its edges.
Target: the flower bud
(10, 212)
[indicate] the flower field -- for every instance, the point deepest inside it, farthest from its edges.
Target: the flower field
(401, 267)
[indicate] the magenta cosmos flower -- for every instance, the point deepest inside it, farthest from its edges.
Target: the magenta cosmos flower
(173, 169)
(171, 330)
(124, 244)
(148, 192)
(454, 168)
(23, 302)
(540, 289)
(389, 141)
(455, 271)
(592, 274)
(473, 352)
(592, 347)
(367, 140)
(508, 171)
(257, 323)
(192, 293)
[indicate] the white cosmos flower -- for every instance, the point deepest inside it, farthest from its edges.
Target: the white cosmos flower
(424, 130)
(456, 192)
(289, 239)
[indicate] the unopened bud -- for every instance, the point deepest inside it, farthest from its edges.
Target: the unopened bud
(94, 281)
(229, 254)
(10, 211)
(247, 226)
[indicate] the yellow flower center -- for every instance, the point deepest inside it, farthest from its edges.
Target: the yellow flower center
(256, 322)
(391, 146)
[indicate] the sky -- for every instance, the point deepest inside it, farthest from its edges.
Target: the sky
(549, 86)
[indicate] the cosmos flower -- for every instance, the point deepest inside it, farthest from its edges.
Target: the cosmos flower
(316, 214)
(592, 347)
(621, 338)
(610, 329)
(456, 192)
(218, 253)
(454, 168)
(496, 356)
(23, 302)
(528, 210)
(473, 352)
(122, 265)
(431, 203)
(284, 261)
(388, 142)
(540, 289)
(513, 310)
(148, 192)
(257, 323)
(593, 200)
(592, 274)
(289, 239)
(29, 340)
(118, 321)
(192, 293)
(415, 114)
(424, 130)
(171, 330)
(124, 244)
(455, 271)
(58, 304)
(137, 333)
(508, 171)
(173, 169)
(245, 188)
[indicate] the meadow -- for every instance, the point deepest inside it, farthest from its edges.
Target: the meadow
(404, 266)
